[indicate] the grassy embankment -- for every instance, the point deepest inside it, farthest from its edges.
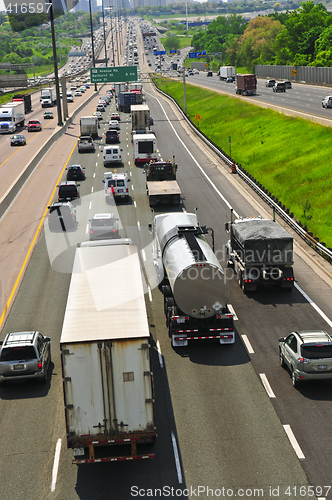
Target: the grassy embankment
(289, 156)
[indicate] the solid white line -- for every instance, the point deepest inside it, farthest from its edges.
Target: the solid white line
(150, 294)
(143, 255)
(56, 464)
(159, 355)
(194, 159)
(231, 308)
(312, 303)
(177, 460)
(267, 386)
(247, 344)
(293, 441)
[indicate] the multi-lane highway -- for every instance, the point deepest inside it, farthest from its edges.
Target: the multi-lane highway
(222, 432)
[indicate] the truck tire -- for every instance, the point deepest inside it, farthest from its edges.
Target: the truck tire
(167, 291)
(168, 303)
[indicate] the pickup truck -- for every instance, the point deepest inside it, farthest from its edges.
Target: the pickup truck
(85, 143)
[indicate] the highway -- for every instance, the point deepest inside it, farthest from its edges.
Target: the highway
(218, 427)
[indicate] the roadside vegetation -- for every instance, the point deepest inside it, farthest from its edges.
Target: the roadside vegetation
(289, 156)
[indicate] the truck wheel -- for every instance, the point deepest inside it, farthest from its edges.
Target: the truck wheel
(168, 303)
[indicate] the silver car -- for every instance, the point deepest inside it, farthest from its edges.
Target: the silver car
(307, 354)
(24, 356)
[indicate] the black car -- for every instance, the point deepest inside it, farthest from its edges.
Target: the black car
(288, 84)
(75, 173)
(68, 191)
(104, 226)
(209, 73)
(112, 137)
(18, 140)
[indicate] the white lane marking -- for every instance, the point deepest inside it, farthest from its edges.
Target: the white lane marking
(267, 386)
(231, 308)
(150, 294)
(135, 204)
(90, 205)
(194, 159)
(247, 344)
(96, 164)
(129, 163)
(176, 457)
(127, 145)
(160, 355)
(94, 175)
(312, 303)
(87, 229)
(138, 225)
(132, 187)
(98, 154)
(144, 256)
(293, 441)
(92, 189)
(56, 464)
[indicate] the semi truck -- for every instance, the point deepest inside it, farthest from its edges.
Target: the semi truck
(26, 99)
(105, 356)
(140, 118)
(161, 184)
(138, 94)
(227, 72)
(260, 252)
(11, 116)
(145, 148)
(89, 125)
(126, 99)
(48, 97)
(191, 279)
(201, 66)
(119, 87)
(246, 84)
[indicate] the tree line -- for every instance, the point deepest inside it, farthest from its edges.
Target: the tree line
(301, 37)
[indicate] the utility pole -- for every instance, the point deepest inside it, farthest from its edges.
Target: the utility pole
(56, 75)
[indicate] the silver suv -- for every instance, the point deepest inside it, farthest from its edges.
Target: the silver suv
(327, 102)
(24, 356)
(307, 354)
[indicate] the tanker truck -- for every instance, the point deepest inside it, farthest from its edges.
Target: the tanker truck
(191, 279)
(260, 252)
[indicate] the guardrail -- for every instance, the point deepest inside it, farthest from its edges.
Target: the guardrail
(272, 201)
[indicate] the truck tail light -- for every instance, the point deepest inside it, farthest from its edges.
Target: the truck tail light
(40, 365)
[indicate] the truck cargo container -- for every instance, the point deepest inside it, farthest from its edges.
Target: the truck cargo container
(227, 72)
(126, 99)
(11, 116)
(192, 281)
(145, 148)
(260, 252)
(26, 98)
(48, 97)
(140, 118)
(89, 125)
(246, 84)
(105, 356)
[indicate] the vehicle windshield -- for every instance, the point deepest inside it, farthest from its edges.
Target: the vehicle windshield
(5, 119)
(18, 353)
(316, 351)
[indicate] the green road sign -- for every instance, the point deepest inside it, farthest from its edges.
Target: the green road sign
(117, 74)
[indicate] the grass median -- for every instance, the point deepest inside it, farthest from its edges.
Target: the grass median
(289, 156)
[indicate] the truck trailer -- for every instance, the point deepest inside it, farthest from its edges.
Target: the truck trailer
(126, 99)
(161, 184)
(261, 253)
(89, 125)
(26, 98)
(105, 356)
(192, 281)
(140, 118)
(145, 148)
(227, 72)
(246, 84)
(48, 97)
(11, 116)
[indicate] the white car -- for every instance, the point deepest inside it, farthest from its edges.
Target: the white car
(98, 115)
(78, 93)
(114, 124)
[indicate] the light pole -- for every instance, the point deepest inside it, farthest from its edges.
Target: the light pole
(56, 76)
(102, 9)
(92, 44)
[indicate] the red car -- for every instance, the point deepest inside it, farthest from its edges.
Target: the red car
(34, 126)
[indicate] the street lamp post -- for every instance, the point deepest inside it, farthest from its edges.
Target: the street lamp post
(92, 44)
(102, 9)
(56, 76)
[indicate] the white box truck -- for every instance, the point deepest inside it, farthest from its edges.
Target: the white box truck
(89, 125)
(11, 116)
(105, 356)
(145, 148)
(227, 72)
(140, 117)
(48, 97)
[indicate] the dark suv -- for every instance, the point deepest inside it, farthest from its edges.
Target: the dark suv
(279, 87)
(112, 137)
(68, 191)
(24, 356)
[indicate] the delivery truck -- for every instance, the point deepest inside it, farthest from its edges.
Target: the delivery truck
(227, 72)
(105, 356)
(140, 118)
(11, 116)
(48, 97)
(161, 184)
(89, 125)
(145, 148)
(246, 84)
(26, 98)
(261, 253)
(126, 99)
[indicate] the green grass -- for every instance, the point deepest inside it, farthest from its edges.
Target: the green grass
(289, 156)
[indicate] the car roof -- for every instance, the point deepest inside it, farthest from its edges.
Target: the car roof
(103, 216)
(19, 338)
(314, 336)
(74, 166)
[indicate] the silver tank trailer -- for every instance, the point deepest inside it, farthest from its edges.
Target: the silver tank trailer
(198, 283)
